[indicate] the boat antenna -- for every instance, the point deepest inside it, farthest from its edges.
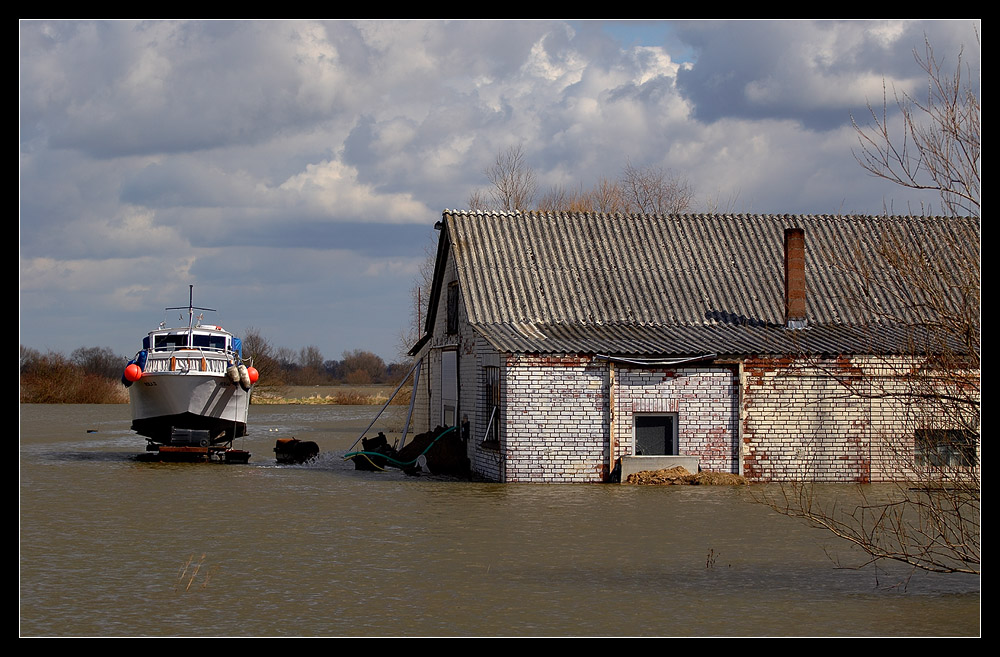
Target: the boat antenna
(191, 307)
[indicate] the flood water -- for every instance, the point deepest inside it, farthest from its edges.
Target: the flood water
(110, 546)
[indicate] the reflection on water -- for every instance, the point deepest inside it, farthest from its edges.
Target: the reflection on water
(112, 546)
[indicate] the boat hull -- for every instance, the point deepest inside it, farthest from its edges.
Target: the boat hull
(163, 401)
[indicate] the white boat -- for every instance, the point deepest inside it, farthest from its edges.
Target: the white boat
(189, 385)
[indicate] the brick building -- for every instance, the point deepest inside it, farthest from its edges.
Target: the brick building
(777, 347)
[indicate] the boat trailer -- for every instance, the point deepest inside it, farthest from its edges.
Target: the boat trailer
(192, 446)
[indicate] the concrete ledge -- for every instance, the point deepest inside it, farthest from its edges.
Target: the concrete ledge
(633, 464)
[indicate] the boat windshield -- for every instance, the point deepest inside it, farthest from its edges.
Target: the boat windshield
(217, 342)
(167, 341)
(179, 340)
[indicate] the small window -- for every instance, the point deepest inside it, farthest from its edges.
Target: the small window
(491, 405)
(453, 308)
(656, 435)
(941, 448)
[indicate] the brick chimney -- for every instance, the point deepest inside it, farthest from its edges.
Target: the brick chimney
(795, 278)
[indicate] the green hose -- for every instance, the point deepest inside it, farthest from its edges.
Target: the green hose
(398, 464)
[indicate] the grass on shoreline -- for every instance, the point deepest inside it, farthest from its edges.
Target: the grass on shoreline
(347, 395)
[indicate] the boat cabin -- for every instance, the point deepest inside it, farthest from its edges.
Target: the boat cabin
(204, 338)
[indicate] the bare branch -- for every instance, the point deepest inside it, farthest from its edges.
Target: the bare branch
(939, 148)
(606, 196)
(478, 200)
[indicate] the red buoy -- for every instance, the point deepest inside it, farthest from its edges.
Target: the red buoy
(253, 374)
(133, 373)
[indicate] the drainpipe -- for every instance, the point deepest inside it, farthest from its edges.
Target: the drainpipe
(611, 417)
(795, 278)
(740, 387)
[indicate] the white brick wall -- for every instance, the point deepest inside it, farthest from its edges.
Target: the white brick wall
(555, 419)
(705, 400)
(800, 424)
(834, 419)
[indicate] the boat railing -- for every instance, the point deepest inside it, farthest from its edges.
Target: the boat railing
(194, 359)
(171, 347)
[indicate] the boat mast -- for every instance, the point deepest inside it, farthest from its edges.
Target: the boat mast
(191, 308)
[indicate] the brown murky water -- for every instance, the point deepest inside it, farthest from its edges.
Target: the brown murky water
(112, 546)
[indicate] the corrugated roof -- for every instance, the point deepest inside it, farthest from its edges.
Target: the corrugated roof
(686, 284)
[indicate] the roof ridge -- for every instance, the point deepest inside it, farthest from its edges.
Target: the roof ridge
(707, 215)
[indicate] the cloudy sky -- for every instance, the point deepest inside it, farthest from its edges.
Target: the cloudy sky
(293, 171)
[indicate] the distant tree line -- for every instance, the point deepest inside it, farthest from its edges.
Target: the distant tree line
(306, 367)
(92, 375)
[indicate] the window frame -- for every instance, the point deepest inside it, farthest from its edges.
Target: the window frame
(452, 308)
(491, 403)
(944, 448)
(674, 438)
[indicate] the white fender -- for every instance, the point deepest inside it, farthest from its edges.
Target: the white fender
(244, 377)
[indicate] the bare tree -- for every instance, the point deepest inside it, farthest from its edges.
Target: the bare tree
(559, 199)
(91, 377)
(259, 352)
(654, 190)
(512, 180)
(926, 433)
(719, 204)
(362, 367)
(650, 190)
(287, 359)
(556, 199)
(420, 294)
(311, 370)
(29, 358)
(931, 288)
(101, 361)
(647, 190)
(478, 200)
(606, 196)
